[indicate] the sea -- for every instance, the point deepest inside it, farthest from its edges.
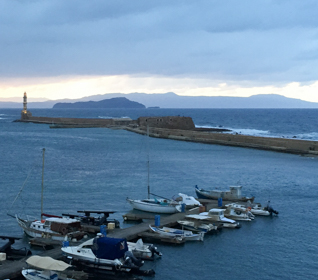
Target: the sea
(98, 168)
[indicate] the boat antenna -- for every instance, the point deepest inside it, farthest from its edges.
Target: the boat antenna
(42, 183)
(148, 165)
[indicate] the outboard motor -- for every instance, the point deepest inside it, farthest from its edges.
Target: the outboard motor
(154, 251)
(270, 209)
(131, 260)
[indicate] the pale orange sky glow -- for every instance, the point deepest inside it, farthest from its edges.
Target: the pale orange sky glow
(78, 87)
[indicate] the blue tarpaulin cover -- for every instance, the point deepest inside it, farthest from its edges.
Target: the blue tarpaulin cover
(109, 248)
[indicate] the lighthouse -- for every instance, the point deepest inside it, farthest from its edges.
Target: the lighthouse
(25, 114)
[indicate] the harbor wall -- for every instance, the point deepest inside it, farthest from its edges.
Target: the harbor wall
(183, 129)
(294, 146)
(78, 122)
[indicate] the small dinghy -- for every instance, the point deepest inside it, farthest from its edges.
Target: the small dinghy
(198, 226)
(143, 250)
(47, 269)
(215, 215)
(178, 233)
(238, 212)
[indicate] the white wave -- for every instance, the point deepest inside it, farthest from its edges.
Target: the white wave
(249, 131)
(307, 136)
(243, 131)
(106, 117)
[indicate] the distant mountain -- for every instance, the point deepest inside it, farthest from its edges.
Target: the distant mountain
(116, 102)
(172, 100)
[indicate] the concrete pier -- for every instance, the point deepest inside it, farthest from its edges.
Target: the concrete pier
(182, 129)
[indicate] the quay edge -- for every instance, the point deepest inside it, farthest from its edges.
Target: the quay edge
(183, 129)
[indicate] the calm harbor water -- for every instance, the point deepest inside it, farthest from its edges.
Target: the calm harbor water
(98, 168)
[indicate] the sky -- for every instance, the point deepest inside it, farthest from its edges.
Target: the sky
(74, 48)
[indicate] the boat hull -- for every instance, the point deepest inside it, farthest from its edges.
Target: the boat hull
(173, 233)
(151, 206)
(34, 274)
(215, 195)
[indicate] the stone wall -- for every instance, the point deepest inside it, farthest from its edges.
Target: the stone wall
(294, 146)
(170, 122)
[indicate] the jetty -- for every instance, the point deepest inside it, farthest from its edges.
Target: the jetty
(178, 128)
(183, 129)
(12, 269)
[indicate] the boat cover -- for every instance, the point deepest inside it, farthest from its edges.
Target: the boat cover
(47, 263)
(109, 248)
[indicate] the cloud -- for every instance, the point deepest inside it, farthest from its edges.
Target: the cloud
(259, 43)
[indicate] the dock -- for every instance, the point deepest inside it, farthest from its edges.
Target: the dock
(12, 269)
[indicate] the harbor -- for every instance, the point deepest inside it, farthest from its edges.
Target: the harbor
(12, 269)
(97, 168)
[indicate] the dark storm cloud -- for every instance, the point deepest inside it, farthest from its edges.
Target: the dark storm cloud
(258, 41)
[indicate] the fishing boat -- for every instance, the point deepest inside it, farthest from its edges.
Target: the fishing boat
(47, 269)
(178, 233)
(234, 194)
(55, 228)
(215, 215)
(49, 226)
(198, 226)
(105, 254)
(238, 212)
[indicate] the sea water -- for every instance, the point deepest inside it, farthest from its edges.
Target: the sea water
(98, 168)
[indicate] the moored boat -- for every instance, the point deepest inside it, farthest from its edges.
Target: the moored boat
(268, 210)
(234, 194)
(160, 206)
(105, 254)
(46, 269)
(143, 250)
(178, 233)
(198, 226)
(56, 228)
(215, 215)
(238, 212)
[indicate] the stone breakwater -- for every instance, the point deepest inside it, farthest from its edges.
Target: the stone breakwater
(183, 129)
(293, 146)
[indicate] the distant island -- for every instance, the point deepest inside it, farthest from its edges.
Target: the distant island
(167, 100)
(112, 103)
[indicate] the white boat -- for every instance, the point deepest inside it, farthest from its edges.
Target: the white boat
(234, 194)
(47, 269)
(215, 215)
(198, 226)
(153, 205)
(143, 250)
(257, 209)
(187, 200)
(105, 253)
(238, 212)
(178, 233)
(54, 227)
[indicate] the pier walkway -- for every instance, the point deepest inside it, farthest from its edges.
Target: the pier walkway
(12, 269)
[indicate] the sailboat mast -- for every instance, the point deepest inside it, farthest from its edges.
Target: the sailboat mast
(148, 160)
(42, 183)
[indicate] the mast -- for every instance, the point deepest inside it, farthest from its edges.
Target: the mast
(148, 160)
(42, 183)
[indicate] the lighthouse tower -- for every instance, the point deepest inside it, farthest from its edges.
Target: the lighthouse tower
(25, 114)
